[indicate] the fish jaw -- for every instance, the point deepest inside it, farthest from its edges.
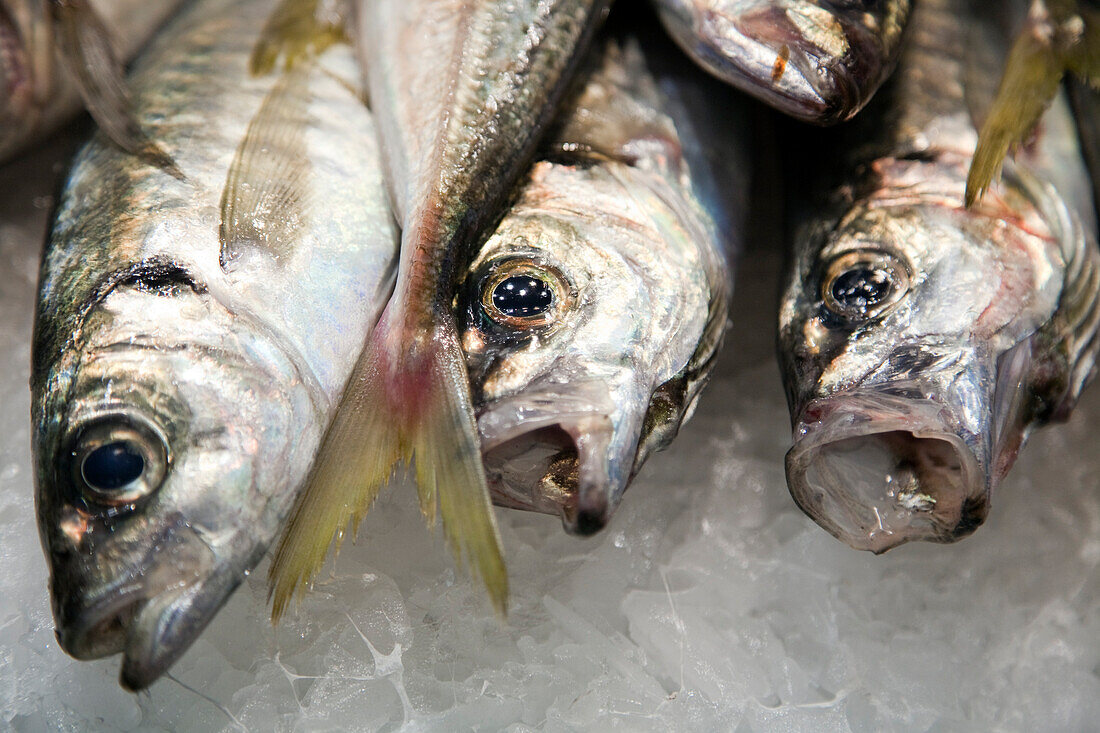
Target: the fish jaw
(811, 61)
(152, 616)
(876, 470)
(566, 449)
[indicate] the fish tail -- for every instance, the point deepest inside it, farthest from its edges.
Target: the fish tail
(410, 407)
(356, 458)
(450, 476)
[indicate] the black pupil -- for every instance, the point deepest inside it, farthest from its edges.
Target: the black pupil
(522, 295)
(112, 466)
(861, 288)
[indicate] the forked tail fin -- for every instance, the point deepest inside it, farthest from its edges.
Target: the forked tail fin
(418, 410)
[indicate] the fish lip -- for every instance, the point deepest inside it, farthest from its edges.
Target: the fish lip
(168, 624)
(947, 497)
(574, 479)
(150, 631)
(807, 85)
(151, 616)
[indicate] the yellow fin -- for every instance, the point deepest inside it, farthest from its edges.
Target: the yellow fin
(1059, 36)
(1031, 77)
(389, 412)
(296, 30)
(85, 44)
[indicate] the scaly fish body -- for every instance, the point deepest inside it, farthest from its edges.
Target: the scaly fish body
(816, 60)
(192, 337)
(37, 92)
(463, 90)
(920, 340)
(591, 316)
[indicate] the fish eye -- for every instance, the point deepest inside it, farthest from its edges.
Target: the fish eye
(523, 294)
(862, 284)
(118, 460)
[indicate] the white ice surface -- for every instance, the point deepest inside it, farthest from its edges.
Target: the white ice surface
(711, 603)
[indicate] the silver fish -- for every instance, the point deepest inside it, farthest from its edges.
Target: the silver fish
(53, 53)
(922, 341)
(817, 60)
(193, 336)
(463, 90)
(591, 317)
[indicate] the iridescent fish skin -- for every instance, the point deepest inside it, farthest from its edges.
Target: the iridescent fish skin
(37, 92)
(816, 60)
(921, 341)
(591, 316)
(186, 362)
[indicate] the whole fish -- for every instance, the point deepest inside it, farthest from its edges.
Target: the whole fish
(921, 340)
(591, 317)
(53, 53)
(192, 337)
(463, 90)
(817, 60)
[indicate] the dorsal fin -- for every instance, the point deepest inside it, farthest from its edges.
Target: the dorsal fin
(265, 201)
(85, 44)
(296, 30)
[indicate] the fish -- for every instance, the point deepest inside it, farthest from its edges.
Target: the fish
(922, 341)
(192, 337)
(56, 53)
(592, 315)
(464, 89)
(819, 61)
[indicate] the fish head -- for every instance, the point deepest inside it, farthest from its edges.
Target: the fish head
(907, 339)
(583, 331)
(163, 445)
(816, 60)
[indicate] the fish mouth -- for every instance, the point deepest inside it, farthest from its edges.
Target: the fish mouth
(553, 453)
(877, 471)
(150, 631)
(772, 59)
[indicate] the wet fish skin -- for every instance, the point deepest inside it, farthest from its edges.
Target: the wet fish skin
(816, 60)
(216, 356)
(38, 92)
(463, 89)
(576, 392)
(920, 341)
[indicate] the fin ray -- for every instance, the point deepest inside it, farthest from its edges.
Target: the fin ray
(422, 416)
(85, 43)
(265, 202)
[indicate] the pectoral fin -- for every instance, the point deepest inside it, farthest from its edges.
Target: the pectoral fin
(265, 201)
(85, 44)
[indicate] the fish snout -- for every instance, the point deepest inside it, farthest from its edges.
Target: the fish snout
(877, 470)
(150, 609)
(563, 451)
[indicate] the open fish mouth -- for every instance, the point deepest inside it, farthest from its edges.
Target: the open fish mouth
(877, 471)
(552, 453)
